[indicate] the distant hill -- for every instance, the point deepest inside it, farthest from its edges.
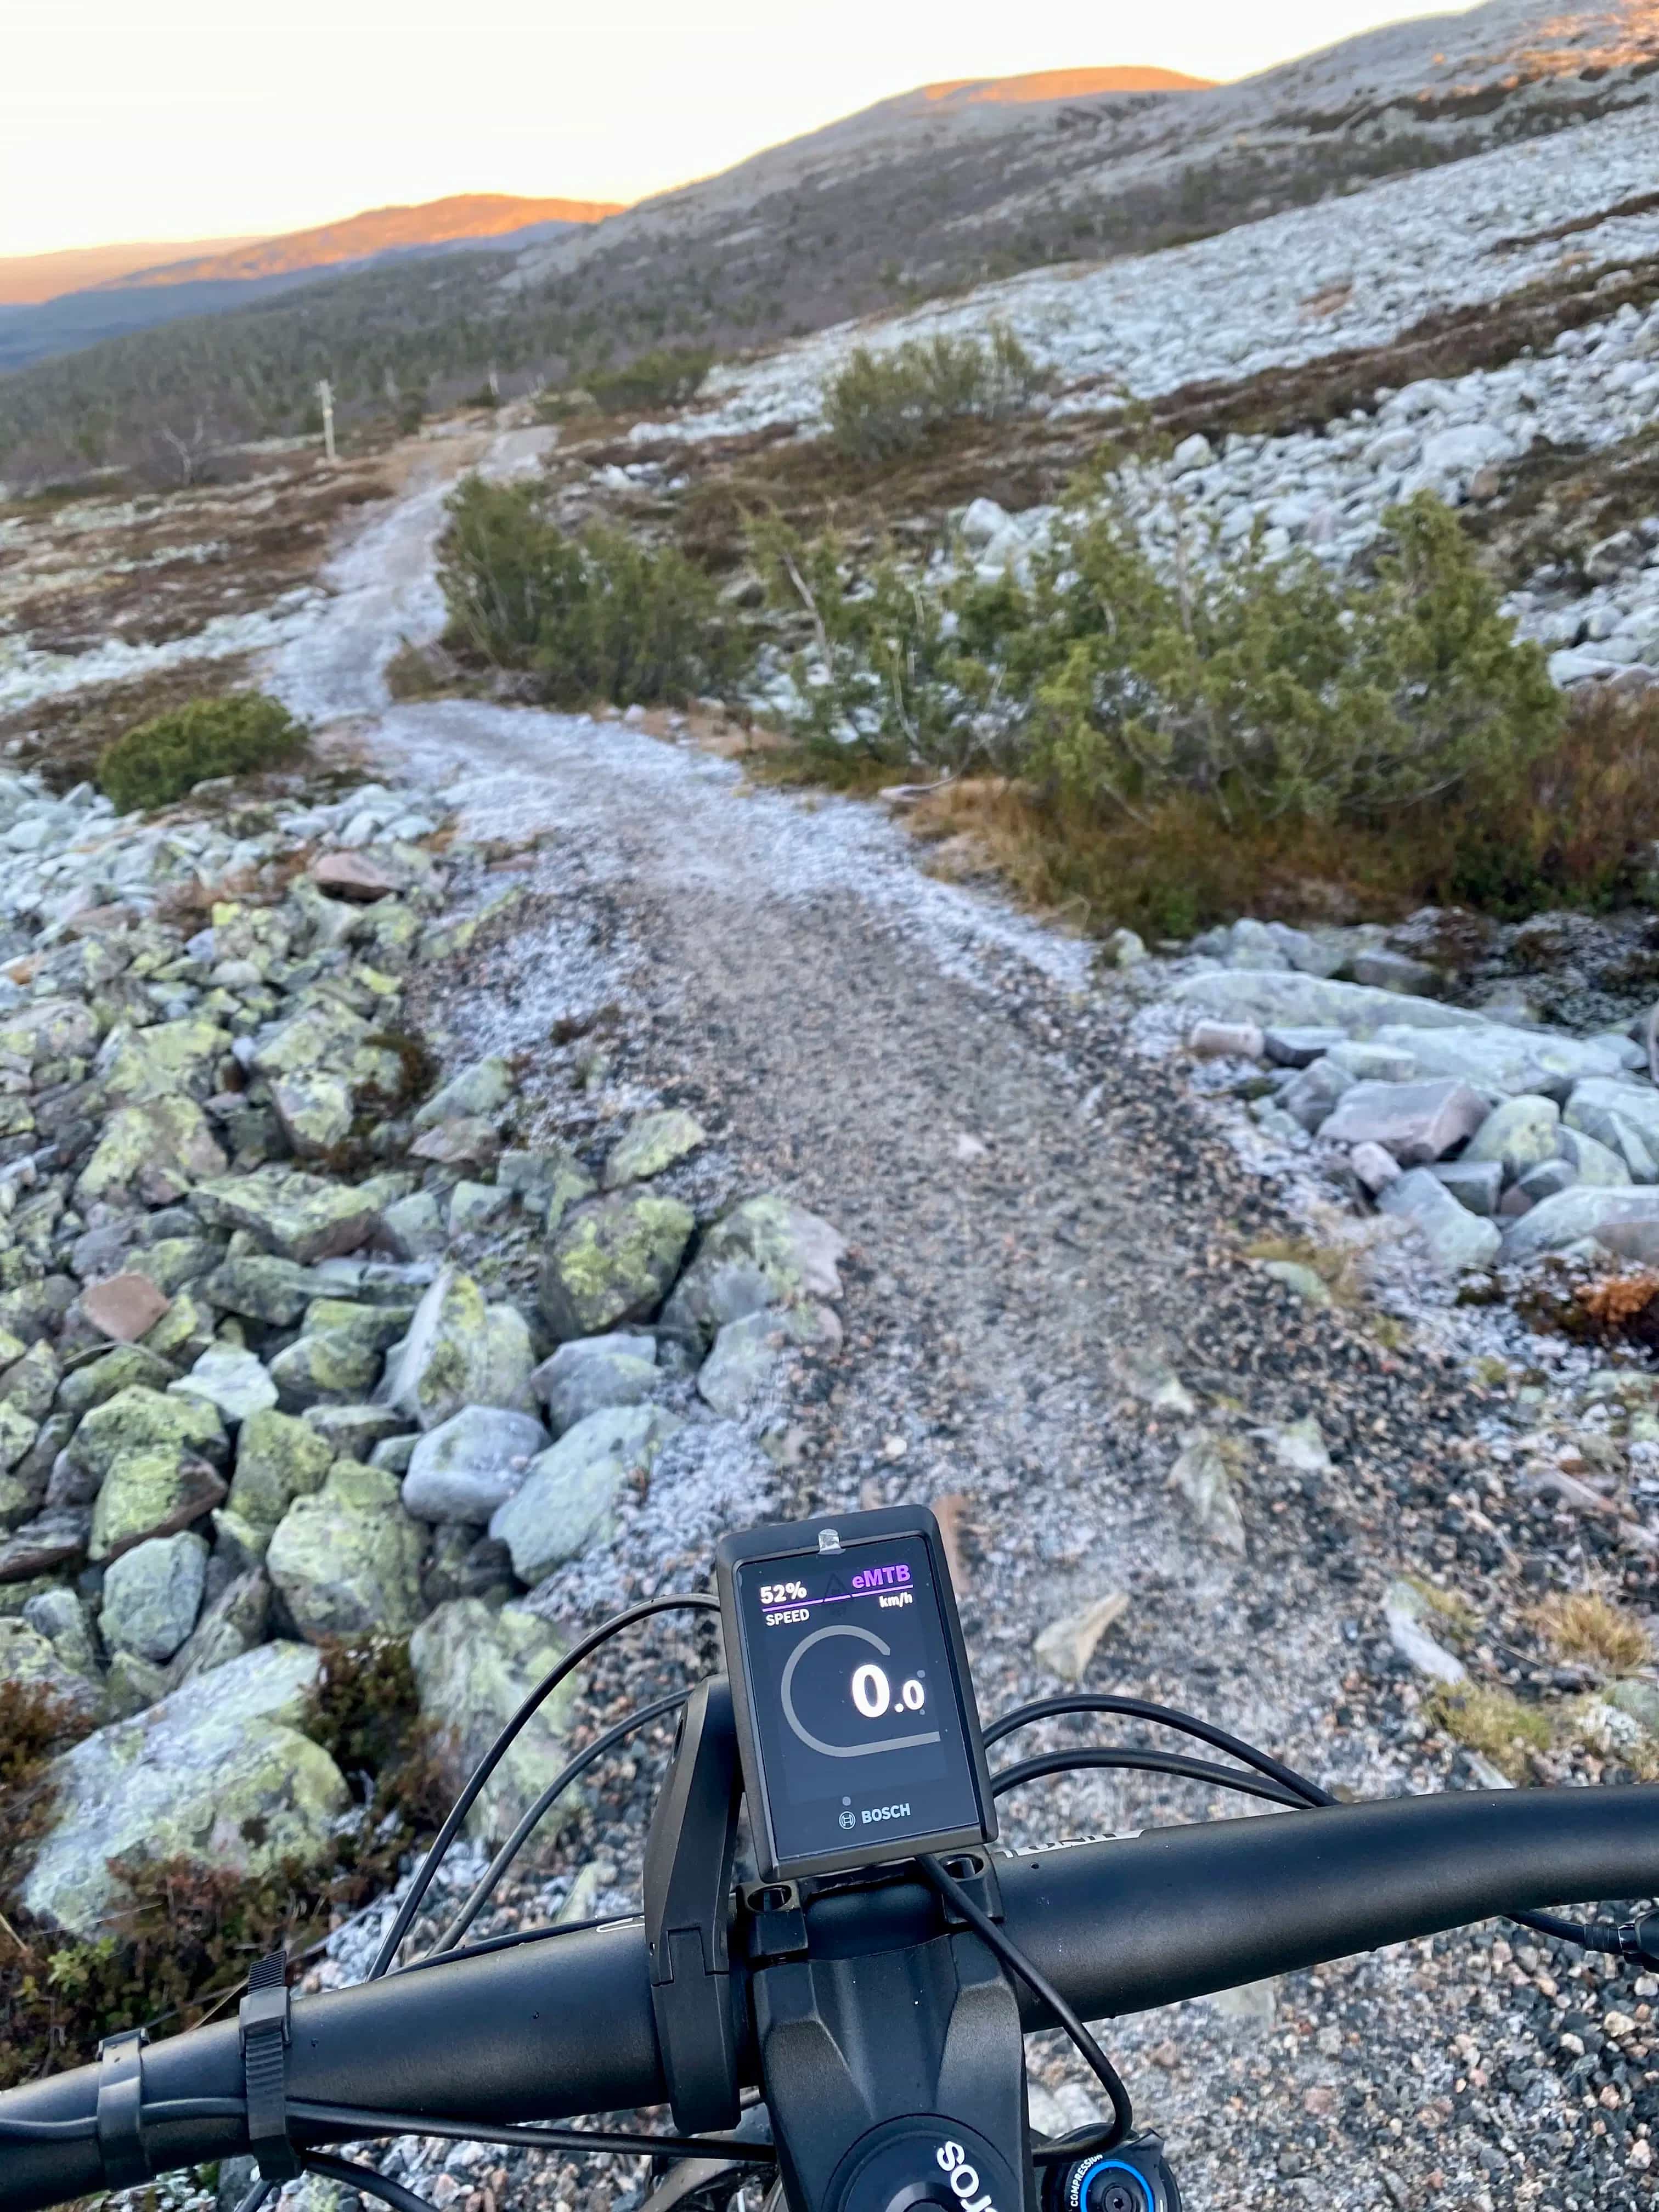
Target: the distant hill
(129, 295)
(463, 219)
(25, 279)
(930, 193)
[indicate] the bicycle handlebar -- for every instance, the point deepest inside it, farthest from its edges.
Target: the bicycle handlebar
(563, 2025)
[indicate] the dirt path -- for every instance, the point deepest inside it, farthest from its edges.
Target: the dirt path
(1042, 1223)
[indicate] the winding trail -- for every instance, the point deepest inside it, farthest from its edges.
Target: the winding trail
(1045, 1230)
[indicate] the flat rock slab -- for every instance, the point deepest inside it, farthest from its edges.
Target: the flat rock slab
(567, 1500)
(1626, 1220)
(352, 875)
(1285, 999)
(1416, 1122)
(1502, 1061)
(295, 1216)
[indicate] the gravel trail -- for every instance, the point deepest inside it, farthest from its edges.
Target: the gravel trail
(1047, 1231)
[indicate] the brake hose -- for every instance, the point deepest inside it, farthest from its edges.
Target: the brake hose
(1636, 1942)
(696, 1602)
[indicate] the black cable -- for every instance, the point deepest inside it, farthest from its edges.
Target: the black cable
(696, 1603)
(536, 1813)
(365, 2180)
(1139, 1708)
(1123, 2118)
(526, 2137)
(1600, 1936)
(257, 2195)
(1148, 1762)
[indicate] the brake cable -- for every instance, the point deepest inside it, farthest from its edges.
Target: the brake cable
(695, 1602)
(1631, 1940)
(536, 1813)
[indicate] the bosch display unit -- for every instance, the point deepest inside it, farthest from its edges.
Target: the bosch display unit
(855, 1717)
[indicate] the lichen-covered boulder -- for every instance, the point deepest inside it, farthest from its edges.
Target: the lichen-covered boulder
(20, 1493)
(473, 1670)
(592, 1371)
(295, 1216)
(766, 1252)
(119, 1369)
(472, 1463)
(157, 1151)
(567, 1502)
(348, 1558)
(30, 1659)
(276, 1291)
(168, 1060)
(476, 1093)
(746, 1352)
(30, 1384)
(459, 1350)
(324, 1367)
(235, 1623)
(652, 1143)
(613, 1261)
(278, 1459)
(139, 1419)
(152, 1595)
(549, 1181)
(153, 1492)
(218, 1773)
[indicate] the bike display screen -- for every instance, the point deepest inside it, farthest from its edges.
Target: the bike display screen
(858, 1722)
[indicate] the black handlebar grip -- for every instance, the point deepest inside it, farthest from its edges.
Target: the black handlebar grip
(1123, 1925)
(542, 2031)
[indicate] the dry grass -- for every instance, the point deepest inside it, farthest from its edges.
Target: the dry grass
(1490, 1721)
(1592, 1629)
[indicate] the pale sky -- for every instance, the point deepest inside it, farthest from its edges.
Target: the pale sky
(192, 118)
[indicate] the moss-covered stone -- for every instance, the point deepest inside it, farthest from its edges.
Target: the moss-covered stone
(613, 1261)
(169, 1060)
(766, 1252)
(30, 1384)
(348, 1557)
(324, 1367)
(474, 1667)
(459, 1350)
(652, 1143)
(278, 1459)
(216, 1773)
(157, 1151)
(149, 1491)
(276, 1291)
(128, 1365)
(183, 1332)
(297, 1217)
(142, 1419)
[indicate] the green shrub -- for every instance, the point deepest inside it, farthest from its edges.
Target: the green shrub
(594, 616)
(668, 378)
(883, 405)
(161, 760)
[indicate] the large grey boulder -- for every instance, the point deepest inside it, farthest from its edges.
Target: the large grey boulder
(155, 1152)
(1623, 1116)
(1416, 1122)
(476, 1093)
(138, 1419)
(472, 1463)
(216, 1773)
(348, 1558)
(1456, 1239)
(592, 1371)
(1288, 1000)
(613, 1260)
(766, 1252)
(1501, 1061)
(1519, 1134)
(474, 1667)
(1625, 1220)
(166, 1061)
(567, 1502)
(234, 1623)
(152, 1595)
(263, 1288)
